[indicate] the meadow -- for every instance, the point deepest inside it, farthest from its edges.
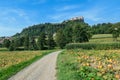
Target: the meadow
(92, 64)
(12, 62)
(101, 38)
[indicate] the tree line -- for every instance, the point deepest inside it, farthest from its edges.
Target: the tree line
(30, 43)
(49, 36)
(77, 32)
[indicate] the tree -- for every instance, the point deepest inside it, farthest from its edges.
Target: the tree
(41, 41)
(68, 32)
(26, 42)
(60, 39)
(115, 30)
(80, 34)
(50, 42)
(12, 46)
(32, 44)
(6, 43)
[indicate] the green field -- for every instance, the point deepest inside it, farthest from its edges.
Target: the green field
(12, 62)
(100, 38)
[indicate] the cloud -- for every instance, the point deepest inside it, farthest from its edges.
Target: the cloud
(67, 7)
(13, 15)
(13, 20)
(92, 14)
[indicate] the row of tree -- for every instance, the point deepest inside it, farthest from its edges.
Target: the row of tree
(30, 43)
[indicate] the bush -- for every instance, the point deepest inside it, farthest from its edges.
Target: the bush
(0, 45)
(98, 46)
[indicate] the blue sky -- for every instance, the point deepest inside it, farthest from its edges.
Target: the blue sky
(18, 14)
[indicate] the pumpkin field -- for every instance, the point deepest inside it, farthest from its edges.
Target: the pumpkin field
(89, 65)
(12, 62)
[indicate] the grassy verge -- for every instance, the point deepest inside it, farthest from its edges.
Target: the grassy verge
(89, 65)
(13, 69)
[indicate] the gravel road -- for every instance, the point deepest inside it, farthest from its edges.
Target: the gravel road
(43, 69)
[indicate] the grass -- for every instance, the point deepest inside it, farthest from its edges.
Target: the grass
(80, 64)
(3, 49)
(101, 38)
(13, 62)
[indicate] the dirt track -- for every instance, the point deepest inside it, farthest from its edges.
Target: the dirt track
(43, 69)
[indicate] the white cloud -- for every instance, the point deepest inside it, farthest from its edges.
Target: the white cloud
(13, 20)
(92, 14)
(67, 7)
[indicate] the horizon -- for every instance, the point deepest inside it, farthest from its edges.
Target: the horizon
(19, 14)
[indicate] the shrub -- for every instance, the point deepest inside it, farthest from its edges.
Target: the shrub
(98, 46)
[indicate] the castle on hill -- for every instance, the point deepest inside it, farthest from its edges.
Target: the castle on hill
(80, 18)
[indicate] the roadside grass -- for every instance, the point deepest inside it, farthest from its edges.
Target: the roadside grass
(13, 62)
(80, 64)
(65, 67)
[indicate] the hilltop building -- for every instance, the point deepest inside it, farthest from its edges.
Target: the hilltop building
(80, 18)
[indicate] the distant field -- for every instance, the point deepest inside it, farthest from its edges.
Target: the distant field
(102, 36)
(99, 38)
(89, 65)
(12, 62)
(3, 49)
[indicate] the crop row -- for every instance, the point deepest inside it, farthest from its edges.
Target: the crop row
(98, 46)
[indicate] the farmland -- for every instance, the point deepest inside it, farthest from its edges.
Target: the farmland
(89, 65)
(12, 62)
(93, 64)
(100, 38)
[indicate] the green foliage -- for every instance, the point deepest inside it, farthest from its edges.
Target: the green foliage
(68, 32)
(115, 30)
(6, 43)
(36, 30)
(26, 42)
(80, 34)
(87, 73)
(50, 42)
(60, 39)
(41, 41)
(98, 46)
(32, 44)
(103, 28)
(0, 45)
(12, 46)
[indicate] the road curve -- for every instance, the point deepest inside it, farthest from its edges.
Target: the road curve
(43, 69)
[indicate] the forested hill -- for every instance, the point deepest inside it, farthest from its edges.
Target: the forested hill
(48, 28)
(51, 28)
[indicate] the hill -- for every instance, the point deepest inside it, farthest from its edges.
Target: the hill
(35, 30)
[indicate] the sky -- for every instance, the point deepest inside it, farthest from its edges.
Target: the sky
(15, 15)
